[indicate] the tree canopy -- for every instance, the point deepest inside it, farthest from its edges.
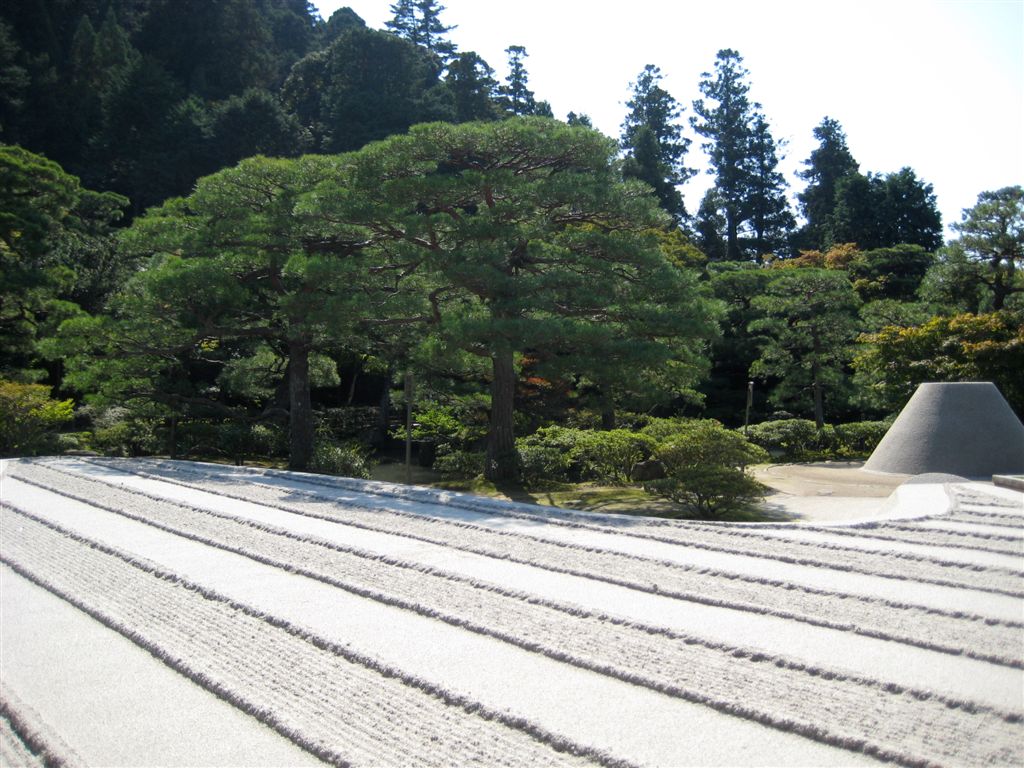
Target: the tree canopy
(532, 243)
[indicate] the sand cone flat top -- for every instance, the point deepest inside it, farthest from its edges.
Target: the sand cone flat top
(964, 428)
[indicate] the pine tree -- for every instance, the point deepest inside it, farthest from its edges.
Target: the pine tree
(653, 117)
(471, 82)
(767, 209)
(419, 22)
(403, 20)
(826, 166)
(431, 32)
(515, 96)
(725, 120)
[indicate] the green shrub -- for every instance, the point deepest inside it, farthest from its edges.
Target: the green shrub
(540, 464)
(704, 467)
(29, 418)
(609, 456)
(73, 441)
(126, 438)
(561, 454)
(347, 458)
(663, 430)
(459, 465)
(859, 438)
(351, 421)
(793, 439)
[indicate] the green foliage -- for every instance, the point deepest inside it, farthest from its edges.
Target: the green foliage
(365, 86)
(965, 347)
(459, 424)
(801, 440)
(348, 459)
(790, 439)
(351, 421)
(652, 138)
(455, 464)
(527, 240)
(890, 273)
(541, 463)
(119, 432)
(53, 244)
(992, 233)
(608, 456)
(808, 329)
(857, 439)
(880, 211)
(704, 464)
(561, 453)
(830, 162)
(29, 418)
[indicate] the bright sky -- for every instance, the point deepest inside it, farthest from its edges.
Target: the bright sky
(937, 85)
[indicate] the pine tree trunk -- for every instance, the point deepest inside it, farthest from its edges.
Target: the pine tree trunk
(732, 244)
(819, 408)
(300, 408)
(502, 462)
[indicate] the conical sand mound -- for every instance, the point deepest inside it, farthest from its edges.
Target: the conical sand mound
(965, 429)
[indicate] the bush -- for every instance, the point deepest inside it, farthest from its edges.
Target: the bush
(704, 467)
(72, 441)
(859, 438)
(29, 417)
(540, 464)
(800, 440)
(793, 439)
(566, 454)
(459, 465)
(348, 459)
(126, 438)
(610, 456)
(351, 421)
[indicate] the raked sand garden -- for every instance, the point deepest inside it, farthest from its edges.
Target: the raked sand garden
(176, 613)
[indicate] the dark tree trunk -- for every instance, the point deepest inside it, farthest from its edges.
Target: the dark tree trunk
(381, 431)
(172, 437)
(819, 407)
(502, 463)
(732, 237)
(300, 408)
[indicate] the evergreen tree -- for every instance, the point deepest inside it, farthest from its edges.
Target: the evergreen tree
(515, 96)
(724, 117)
(403, 20)
(419, 22)
(876, 211)
(710, 224)
(827, 164)
(366, 85)
(432, 32)
(808, 327)
(254, 123)
(652, 139)
(767, 208)
(473, 87)
(992, 233)
(527, 238)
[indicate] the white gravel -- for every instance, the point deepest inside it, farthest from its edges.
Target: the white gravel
(540, 633)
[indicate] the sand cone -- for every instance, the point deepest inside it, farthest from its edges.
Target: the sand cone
(964, 428)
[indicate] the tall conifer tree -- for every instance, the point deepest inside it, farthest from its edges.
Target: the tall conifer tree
(652, 138)
(724, 117)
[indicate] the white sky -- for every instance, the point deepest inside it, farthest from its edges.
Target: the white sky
(937, 85)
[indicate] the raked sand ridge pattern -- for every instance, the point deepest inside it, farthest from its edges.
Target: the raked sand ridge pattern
(172, 613)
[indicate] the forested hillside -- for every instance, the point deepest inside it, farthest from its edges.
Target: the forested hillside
(221, 235)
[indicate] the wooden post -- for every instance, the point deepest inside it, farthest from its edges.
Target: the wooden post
(408, 428)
